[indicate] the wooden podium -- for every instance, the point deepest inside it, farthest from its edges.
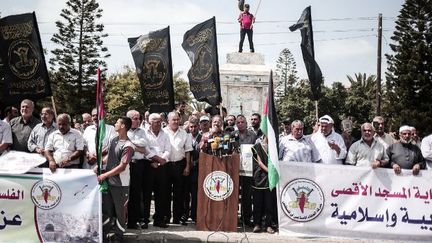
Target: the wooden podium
(218, 188)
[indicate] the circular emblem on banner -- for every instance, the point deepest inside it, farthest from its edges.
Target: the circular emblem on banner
(218, 185)
(46, 194)
(154, 71)
(23, 59)
(302, 200)
(203, 67)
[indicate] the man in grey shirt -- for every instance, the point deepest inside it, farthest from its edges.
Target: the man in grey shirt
(120, 153)
(23, 125)
(405, 155)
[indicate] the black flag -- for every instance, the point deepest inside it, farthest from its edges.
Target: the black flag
(152, 57)
(307, 47)
(201, 46)
(26, 75)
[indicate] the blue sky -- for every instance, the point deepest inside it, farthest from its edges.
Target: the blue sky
(345, 31)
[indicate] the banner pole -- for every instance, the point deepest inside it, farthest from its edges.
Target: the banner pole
(53, 105)
(221, 111)
(316, 109)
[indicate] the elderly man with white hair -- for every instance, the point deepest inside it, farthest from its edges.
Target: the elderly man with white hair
(330, 144)
(405, 155)
(155, 173)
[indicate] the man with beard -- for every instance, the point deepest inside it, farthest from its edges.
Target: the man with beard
(255, 125)
(191, 184)
(330, 144)
(405, 155)
(367, 151)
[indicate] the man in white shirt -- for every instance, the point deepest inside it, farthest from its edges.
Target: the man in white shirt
(367, 151)
(89, 136)
(5, 136)
(155, 175)
(330, 144)
(296, 147)
(178, 165)
(64, 146)
(426, 149)
(138, 164)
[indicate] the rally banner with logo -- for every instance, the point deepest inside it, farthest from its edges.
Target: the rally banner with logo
(200, 44)
(40, 206)
(355, 202)
(26, 75)
(152, 57)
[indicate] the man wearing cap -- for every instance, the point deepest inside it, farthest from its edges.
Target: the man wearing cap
(404, 155)
(382, 137)
(367, 151)
(330, 144)
(296, 147)
(204, 124)
(246, 21)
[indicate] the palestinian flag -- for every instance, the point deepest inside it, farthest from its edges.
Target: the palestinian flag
(269, 126)
(100, 125)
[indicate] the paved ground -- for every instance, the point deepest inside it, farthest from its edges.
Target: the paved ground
(176, 233)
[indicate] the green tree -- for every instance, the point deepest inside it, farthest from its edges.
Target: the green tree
(360, 102)
(297, 105)
(409, 73)
(123, 93)
(80, 52)
(181, 89)
(286, 70)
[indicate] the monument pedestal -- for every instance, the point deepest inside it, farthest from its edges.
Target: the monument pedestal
(244, 82)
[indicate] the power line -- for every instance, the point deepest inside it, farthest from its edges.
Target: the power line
(261, 44)
(115, 34)
(235, 22)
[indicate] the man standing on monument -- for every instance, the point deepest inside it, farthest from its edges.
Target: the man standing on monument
(246, 21)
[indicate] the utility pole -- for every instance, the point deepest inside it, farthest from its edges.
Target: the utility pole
(378, 89)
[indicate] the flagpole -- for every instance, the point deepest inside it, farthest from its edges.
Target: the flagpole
(54, 106)
(316, 109)
(256, 12)
(99, 163)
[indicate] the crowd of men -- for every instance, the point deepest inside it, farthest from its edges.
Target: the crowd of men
(149, 157)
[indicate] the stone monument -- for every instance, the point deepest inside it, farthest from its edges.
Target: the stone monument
(244, 82)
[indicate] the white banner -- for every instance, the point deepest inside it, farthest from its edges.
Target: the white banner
(246, 160)
(354, 202)
(43, 207)
(16, 162)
